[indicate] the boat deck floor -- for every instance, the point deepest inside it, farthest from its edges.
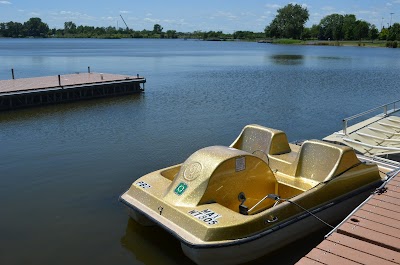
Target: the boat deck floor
(370, 235)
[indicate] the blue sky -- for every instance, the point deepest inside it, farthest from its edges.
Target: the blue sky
(185, 15)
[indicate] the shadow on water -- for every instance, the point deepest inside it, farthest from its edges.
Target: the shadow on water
(66, 107)
(287, 59)
(142, 241)
(293, 252)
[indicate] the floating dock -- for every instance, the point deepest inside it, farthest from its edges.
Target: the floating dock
(370, 235)
(28, 92)
(375, 136)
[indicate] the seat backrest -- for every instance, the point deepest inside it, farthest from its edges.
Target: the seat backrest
(261, 141)
(318, 160)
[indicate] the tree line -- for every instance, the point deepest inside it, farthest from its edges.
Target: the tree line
(288, 23)
(35, 27)
(290, 20)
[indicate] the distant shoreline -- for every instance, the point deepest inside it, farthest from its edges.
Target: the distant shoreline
(352, 43)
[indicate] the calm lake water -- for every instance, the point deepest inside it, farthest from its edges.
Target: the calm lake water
(63, 167)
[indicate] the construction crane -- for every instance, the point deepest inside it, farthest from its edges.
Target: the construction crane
(127, 28)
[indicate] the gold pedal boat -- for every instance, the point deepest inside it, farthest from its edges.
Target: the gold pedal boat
(229, 205)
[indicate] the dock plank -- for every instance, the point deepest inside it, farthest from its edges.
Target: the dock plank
(389, 211)
(358, 245)
(392, 193)
(379, 223)
(395, 181)
(383, 205)
(371, 212)
(388, 199)
(393, 187)
(306, 261)
(351, 253)
(328, 258)
(371, 236)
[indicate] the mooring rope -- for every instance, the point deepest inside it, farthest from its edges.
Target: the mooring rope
(309, 212)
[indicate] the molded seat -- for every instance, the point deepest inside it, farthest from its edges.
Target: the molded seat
(262, 141)
(321, 161)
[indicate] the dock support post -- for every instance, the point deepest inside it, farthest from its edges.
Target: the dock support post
(88, 69)
(12, 73)
(59, 80)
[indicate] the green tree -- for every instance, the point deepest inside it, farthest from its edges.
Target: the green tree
(289, 22)
(331, 27)
(157, 29)
(383, 35)
(244, 35)
(394, 32)
(171, 34)
(12, 29)
(361, 30)
(36, 28)
(69, 27)
(314, 31)
(349, 23)
(373, 32)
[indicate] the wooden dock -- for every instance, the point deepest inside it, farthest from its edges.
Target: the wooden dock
(27, 92)
(370, 235)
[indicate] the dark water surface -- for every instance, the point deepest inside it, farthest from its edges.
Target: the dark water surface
(63, 167)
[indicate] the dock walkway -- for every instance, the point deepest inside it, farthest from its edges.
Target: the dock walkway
(370, 235)
(26, 92)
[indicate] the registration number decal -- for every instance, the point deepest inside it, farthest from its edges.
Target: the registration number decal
(207, 216)
(143, 185)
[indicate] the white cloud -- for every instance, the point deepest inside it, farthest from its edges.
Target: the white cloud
(367, 12)
(71, 15)
(125, 12)
(5, 2)
(304, 5)
(173, 22)
(227, 15)
(327, 8)
(248, 14)
(152, 20)
(34, 14)
(272, 6)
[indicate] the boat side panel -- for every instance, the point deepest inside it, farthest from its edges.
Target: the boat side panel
(247, 251)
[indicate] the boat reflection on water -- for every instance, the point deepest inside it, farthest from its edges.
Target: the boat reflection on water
(287, 59)
(153, 245)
